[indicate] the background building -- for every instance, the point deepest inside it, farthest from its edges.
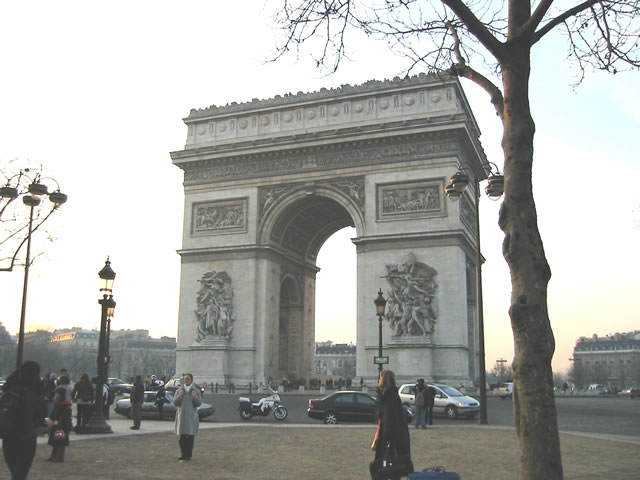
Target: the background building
(612, 361)
(335, 360)
(132, 352)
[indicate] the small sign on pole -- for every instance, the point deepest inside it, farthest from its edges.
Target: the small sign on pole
(381, 360)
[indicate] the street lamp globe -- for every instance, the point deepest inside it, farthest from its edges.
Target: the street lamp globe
(495, 187)
(57, 198)
(107, 276)
(380, 303)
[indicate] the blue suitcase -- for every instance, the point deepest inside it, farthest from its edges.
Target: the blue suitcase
(436, 475)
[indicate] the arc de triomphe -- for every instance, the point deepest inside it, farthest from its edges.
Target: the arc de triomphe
(268, 181)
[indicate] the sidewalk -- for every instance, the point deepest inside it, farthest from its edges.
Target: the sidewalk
(253, 450)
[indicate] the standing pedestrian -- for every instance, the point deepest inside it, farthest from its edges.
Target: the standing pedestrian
(160, 400)
(420, 403)
(19, 445)
(82, 395)
(137, 398)
(430, 400)
(187, 400)
(393, 439)
(62, 420)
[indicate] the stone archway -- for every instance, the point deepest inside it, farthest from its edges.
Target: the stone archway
(267, 183)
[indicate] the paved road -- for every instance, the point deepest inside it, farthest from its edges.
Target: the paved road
(595, 414)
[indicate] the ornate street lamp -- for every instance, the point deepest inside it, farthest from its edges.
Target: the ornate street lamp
(97, 423)
(32, 198)
(380, 303)
(458, 183)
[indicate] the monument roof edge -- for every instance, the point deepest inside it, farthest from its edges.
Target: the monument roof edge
(421, 79)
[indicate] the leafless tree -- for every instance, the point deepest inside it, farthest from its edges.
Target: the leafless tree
(490, 43)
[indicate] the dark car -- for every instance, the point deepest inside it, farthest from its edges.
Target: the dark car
(119, 386)
(347, 406)
(634, 392)
(150, 409)
(173, 384)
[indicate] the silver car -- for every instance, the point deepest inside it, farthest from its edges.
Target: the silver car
(448, 400)
(150, 409)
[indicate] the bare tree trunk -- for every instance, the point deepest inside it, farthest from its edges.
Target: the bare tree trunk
(533, 401)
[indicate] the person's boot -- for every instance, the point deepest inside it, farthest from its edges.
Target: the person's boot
(61, 454)
(53, 454)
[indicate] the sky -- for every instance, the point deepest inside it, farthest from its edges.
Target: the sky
(95, 92)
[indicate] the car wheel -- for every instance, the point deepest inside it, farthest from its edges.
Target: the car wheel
(331, 418)
(451, 411)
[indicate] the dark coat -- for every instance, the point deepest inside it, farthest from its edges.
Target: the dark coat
(393, 426)
(32, 410)
(83, 392)
(137, 393)
(430, 396)
(61, 417)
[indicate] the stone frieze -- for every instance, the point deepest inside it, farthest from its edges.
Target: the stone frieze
(318, 161)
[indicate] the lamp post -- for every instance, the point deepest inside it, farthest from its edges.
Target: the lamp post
(458, 183)
(97, 423)
(380, 303)
(31, 198)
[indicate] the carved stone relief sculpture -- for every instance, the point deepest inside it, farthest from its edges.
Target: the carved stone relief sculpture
(410, 199)
(412, 306)
(214, 312)
(219, 217)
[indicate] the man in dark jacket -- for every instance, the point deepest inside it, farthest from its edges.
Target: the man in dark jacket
(430, 399)
(137, 398)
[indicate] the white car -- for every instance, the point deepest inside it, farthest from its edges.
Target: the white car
(448, 400)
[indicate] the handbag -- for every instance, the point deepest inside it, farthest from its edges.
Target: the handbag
(391, 465)
(59, 436)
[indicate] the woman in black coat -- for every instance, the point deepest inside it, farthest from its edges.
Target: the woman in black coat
(19, 445)
(393, 422)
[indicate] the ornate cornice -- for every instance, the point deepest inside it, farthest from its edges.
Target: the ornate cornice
(324, 93)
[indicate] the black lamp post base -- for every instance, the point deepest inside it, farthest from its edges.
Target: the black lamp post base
(96, 425)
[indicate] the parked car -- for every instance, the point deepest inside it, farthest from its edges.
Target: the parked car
(448, 401)
(119, 386)
(150, 409)
(174, 383)
(347, 406)
(506, 391)
(634, 392)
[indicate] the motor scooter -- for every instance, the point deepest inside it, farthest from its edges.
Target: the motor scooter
(263, 407)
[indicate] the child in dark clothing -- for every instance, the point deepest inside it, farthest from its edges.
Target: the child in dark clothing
(62, 420)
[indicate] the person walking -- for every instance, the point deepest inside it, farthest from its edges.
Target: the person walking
(420, 403)
(187, 400)
(62, 420)
(82, 395)
(137, 398)
(19, 444)
(429, 401)
(393, 436)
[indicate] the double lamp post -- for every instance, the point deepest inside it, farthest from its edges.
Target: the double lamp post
(32, 198)
(97, 422)
(458, 183)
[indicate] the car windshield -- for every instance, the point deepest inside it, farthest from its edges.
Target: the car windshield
(452, 392)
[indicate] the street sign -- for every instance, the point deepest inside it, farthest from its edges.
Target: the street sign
(381, 360)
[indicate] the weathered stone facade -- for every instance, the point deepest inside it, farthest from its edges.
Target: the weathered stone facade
(267, 182)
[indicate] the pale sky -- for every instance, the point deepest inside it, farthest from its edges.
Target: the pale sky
(96, 93)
